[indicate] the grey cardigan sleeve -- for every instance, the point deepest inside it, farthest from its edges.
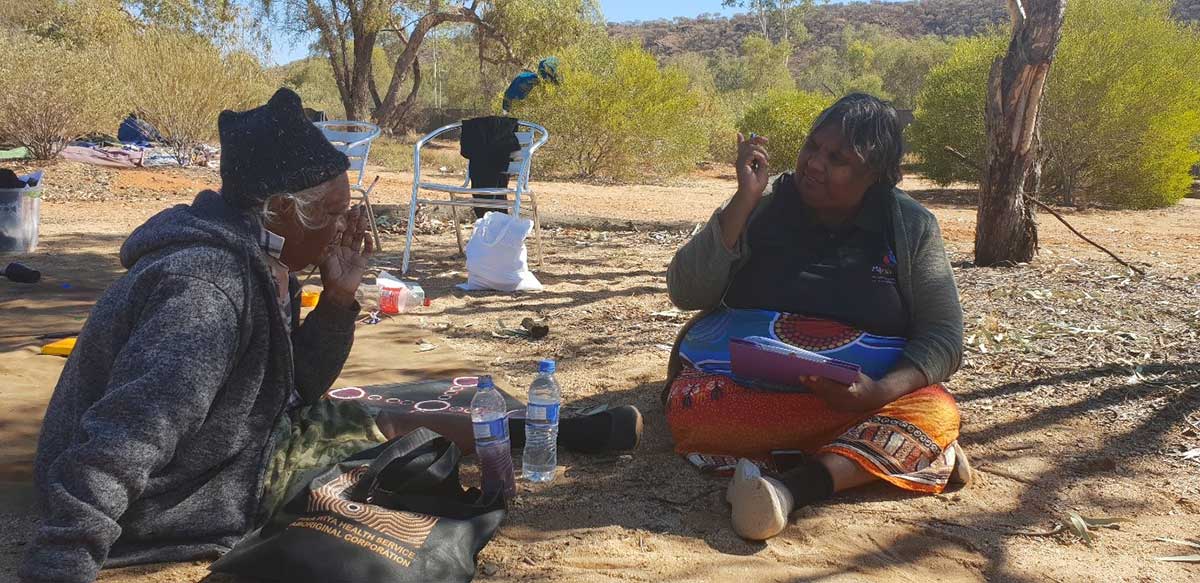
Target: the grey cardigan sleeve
(935, 343)
(163, 383)
(320, 346)
(701, 269)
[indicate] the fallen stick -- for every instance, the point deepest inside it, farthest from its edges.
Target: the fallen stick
(1005, 474)
(1047, 208)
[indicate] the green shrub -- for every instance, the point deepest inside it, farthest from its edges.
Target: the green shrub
(180, 83)
(784, 118)
(50, 95)
(950, 111)
(1124, 96)
(617, 115)
(1118, 119)
(312, 80)
(721, 121)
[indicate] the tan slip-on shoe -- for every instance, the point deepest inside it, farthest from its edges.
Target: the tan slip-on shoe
(761, 505)
(962, 472)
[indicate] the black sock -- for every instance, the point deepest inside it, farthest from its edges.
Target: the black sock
(810, 482)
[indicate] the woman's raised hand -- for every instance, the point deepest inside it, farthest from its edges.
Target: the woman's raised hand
(751, 165)
(752, 180)
(346, 260)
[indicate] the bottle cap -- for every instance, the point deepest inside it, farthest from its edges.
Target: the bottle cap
(546, 366)
(485, 382)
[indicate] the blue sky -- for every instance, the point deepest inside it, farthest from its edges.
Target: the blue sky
(626, 10)
(283, 51)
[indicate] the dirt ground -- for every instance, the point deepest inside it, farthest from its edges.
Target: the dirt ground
(1080, 389)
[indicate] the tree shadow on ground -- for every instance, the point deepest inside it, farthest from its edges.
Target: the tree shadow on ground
(398, 214)
(657, 491)
(440, 274)
(1043, 489)
(74, 274)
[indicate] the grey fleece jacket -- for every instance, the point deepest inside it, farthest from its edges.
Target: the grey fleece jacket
(156, 441)
(701, 271)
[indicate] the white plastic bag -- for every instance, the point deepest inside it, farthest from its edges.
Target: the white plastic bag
(496, 255)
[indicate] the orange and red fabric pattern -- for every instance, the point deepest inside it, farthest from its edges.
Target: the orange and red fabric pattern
(713, 419)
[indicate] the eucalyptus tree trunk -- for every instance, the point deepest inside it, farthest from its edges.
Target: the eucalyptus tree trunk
(1006, 229)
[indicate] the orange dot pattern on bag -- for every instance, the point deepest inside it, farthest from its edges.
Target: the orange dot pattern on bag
(814, 334)
(407, 527)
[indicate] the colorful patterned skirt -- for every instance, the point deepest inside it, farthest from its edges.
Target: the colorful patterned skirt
(715, 420)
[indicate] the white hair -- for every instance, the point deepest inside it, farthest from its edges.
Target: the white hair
(306, 202)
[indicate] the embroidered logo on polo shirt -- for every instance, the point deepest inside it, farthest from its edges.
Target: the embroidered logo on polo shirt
(885, 270)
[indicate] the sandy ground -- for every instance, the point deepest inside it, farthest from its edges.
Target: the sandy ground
(1079, 389)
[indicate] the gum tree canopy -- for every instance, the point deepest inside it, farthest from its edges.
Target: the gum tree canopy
(513, 32)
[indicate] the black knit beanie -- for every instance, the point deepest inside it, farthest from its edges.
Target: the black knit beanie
(273, 149)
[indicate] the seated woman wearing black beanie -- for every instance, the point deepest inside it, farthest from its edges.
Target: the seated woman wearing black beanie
(171, 432)
(831, 258)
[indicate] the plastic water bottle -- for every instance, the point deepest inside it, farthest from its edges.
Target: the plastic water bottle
(540, 459)
(489, 420)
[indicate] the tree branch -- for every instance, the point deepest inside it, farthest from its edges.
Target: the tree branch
(385, 111)
(339, 29)
(374, 91)
(341, 76)
(1047, 208)
(970, 163)
(491, 32)
(411, 100)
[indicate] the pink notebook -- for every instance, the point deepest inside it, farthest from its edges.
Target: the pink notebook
(771, 361)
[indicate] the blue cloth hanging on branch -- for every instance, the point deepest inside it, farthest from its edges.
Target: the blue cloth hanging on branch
(525, 81)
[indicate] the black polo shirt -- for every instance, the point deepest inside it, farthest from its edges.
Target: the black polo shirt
(800, 266)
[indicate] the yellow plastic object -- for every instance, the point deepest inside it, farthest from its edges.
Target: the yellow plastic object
(60, 348)
(309, 299)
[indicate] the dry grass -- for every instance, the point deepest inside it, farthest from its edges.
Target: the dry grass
(180, 83)
(49, 95)
(395, 153)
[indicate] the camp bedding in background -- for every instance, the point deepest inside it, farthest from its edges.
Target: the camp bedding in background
(19, 153)
(111, 157)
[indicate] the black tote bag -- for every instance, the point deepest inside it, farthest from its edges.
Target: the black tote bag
(393, 513)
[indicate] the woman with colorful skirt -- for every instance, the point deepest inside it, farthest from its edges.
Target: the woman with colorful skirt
(830, 258)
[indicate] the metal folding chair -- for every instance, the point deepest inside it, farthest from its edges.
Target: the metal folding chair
(353, 138)
(521, 198)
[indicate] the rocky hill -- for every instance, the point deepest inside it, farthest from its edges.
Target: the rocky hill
(706, 34)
